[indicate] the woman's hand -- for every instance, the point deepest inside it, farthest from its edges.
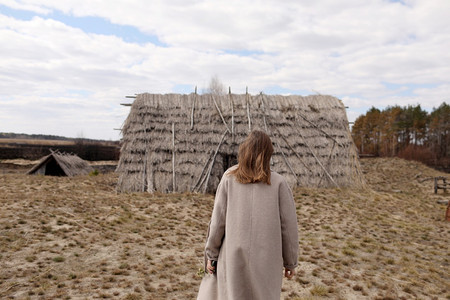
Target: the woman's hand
(289, 273)
(210, 268)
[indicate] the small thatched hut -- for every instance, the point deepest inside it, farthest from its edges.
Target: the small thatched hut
(183, 143)
(61, 164)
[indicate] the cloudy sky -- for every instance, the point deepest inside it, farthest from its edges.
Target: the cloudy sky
(65, 66)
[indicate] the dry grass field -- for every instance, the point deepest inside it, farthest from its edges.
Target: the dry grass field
(76, 238)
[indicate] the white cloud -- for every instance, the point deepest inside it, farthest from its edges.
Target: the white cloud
(351, 49)
(433, 97)
(25, 5)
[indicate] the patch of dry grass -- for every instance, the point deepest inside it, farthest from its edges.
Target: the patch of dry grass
(77, 238)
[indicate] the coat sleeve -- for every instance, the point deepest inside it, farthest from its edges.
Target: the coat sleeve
(216, 231)
(289, 228)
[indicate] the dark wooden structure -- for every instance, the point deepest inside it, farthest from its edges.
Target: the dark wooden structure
(61, 164)
(441, 183)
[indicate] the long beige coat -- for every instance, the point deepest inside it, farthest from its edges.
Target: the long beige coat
(253, 233)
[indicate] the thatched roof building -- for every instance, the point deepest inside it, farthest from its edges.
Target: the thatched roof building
(183, 143)
(61, 164)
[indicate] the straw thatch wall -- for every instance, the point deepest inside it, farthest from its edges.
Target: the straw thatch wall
(61, 164)
(181, 143)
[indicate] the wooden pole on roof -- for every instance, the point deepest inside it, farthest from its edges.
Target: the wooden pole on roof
(193, 106)
(264, 112)
(198, 183)
(264, 119)
(320, 129)
(287, 162)
(203, 178)
(212, 162)
(328, 161)
(293, 150)
(144, 174)
(232, 114)
(220, 113)
(318, 161)
(174, 184)
(128, 104)
(150, 173)
(248, 109)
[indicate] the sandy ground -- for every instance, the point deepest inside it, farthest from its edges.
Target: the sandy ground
(76, 238)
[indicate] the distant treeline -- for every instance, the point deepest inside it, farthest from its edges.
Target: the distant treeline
(87, 151)
(9, 135)
(407, 132)
(28, 147)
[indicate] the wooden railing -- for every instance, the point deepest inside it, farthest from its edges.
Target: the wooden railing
(440, 183)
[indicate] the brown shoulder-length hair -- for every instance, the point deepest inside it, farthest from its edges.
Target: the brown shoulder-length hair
(254, 159)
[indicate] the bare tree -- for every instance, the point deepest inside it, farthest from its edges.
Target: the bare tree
(216, 87)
